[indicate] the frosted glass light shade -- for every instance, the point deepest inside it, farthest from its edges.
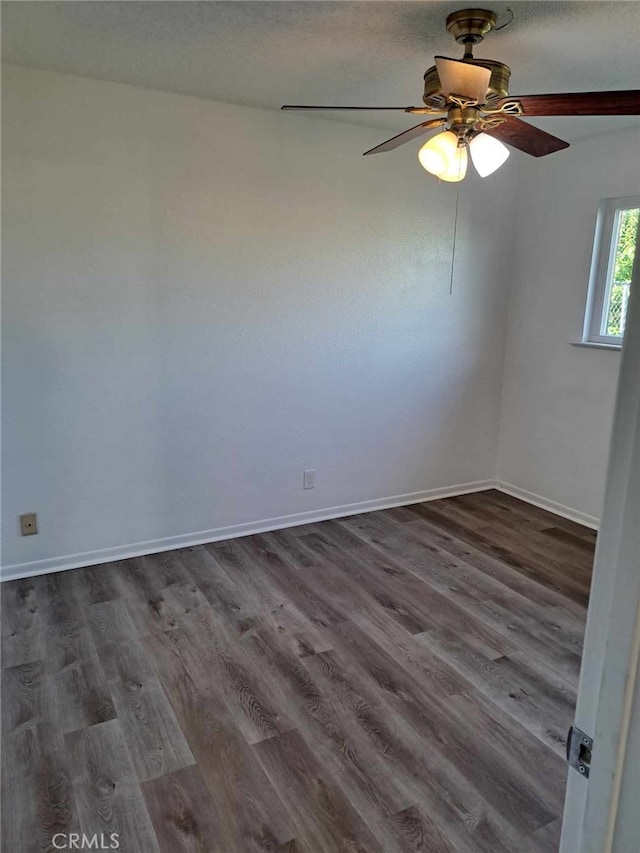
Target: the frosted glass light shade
(442, 157)
(457, 166)
(487, 154)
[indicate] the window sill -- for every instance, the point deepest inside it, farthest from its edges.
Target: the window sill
(596, 345)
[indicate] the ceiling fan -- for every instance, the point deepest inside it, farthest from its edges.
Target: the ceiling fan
(480, 113)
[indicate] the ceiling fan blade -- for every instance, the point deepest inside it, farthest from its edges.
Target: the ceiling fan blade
(616, 103)
(463, 78)
(302, 107)
(406, 136)
(526, 137)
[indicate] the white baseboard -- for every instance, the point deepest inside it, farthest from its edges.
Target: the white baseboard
(168, 543)
(155, 546)
(549, 505)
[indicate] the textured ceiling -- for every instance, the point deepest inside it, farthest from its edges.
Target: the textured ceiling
(267, 53)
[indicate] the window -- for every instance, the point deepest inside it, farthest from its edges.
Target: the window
(610, 280)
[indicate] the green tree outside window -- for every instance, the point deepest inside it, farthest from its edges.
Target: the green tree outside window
(623, 264)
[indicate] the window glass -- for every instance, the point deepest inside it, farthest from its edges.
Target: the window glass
(614, 248)
(623, 245)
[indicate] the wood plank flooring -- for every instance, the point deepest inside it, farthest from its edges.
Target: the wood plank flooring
(394, 681)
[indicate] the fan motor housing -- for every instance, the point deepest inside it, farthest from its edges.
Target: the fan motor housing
(498, 83)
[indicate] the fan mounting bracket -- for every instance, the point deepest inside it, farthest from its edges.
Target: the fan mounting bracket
(506, 108)
(470, 26)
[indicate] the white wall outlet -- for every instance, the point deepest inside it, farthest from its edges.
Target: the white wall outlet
(309, 479)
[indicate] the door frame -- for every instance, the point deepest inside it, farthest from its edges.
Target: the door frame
(612, 637)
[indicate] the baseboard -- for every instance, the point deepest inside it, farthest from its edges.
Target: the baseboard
(155, 546)
(549, 505)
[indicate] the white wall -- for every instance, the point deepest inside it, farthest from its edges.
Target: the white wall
(558, 399)
(200, 300)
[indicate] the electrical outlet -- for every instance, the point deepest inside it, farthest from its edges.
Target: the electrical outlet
(28, 524)
(309, 479)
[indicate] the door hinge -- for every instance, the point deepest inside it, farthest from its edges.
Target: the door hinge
(579, 750)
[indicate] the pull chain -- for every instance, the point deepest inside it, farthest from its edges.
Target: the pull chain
(455, 231)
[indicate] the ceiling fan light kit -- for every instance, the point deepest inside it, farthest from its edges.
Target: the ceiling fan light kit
(444, 157)
(487, 154)
(480, 113)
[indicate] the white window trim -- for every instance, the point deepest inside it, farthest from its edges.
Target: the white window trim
(602, 260)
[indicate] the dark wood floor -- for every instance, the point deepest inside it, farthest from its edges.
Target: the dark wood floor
(395, 681)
